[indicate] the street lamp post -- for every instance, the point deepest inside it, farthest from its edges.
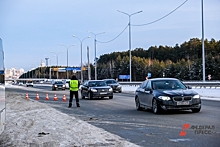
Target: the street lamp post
(129, 15)
(95, 52)
(81, 41)
(57, 59)
(67, 48)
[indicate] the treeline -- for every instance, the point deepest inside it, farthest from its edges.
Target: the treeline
(181, 61)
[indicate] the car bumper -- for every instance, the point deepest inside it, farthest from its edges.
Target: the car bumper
(104, 94)
(185, 105)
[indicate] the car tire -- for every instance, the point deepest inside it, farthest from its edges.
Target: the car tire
(155, 107)
(138, 105)
(111, 97)
(119, 91)
(196, 110)
(90, 96)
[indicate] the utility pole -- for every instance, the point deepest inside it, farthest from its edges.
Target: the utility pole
(89, 73)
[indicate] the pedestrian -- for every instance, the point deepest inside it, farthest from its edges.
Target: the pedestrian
(74, 87)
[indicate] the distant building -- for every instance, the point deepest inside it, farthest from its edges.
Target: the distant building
(13, 73)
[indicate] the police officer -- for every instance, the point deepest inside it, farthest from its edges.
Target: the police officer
(74, 87)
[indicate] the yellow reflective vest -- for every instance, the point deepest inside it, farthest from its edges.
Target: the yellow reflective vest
(74, 85)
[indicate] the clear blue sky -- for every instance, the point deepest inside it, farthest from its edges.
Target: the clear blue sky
(31, 29)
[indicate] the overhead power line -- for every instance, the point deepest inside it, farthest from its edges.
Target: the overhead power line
(115, 37)
(163, 16)
(143, 24)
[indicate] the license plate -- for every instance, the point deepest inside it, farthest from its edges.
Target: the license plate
(183, 103)
(103, 92)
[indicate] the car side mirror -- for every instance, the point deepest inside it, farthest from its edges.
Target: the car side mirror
(189, 87)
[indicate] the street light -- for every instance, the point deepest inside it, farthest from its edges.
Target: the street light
(95, 52)
(129, 15)
(81, 41)
(57, 59)
(67, 57)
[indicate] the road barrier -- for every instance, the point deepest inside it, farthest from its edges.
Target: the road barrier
(208, 84)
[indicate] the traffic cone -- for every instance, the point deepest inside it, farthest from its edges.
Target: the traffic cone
(26, 96)
(47, 97)
(55, 97)
(37, 97)
(64, 98)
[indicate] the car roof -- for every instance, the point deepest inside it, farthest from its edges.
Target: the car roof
(108, 79)
(160, 79)
(94, 80)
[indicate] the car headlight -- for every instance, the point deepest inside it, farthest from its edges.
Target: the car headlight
(63, 85)
(119, 86)
(196, 96)
(93, 90)
(55, 85)
(110, 89)
(166, 98)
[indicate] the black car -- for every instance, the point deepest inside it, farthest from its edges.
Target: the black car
(58, 85)
(114, 84)
(96, 88)
(166, 94)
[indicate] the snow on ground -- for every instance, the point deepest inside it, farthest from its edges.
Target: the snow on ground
(30, 123)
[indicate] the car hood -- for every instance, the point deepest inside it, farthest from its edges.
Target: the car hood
(59, 84)
(115, 84)
(101, 87)
(176, 92)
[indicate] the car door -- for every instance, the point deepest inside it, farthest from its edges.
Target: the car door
(148, 94)
(141, 93)
(84, 89)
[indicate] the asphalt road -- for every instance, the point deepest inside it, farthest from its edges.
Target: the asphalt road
(143, 128)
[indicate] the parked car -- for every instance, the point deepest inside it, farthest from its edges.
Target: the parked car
(114, 84)
(67, 84)
(58, 85)
(29, 83)
(96, 88)
(20, 83)
(166, 94)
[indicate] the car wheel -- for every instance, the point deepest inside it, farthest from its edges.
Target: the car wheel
(83, 97)
(119, 91)
(111, 97)
(138, 105)
(156, 107)
(90, 95)
(196, 110)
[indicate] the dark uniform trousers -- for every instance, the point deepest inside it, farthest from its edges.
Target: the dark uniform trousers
(76, 97)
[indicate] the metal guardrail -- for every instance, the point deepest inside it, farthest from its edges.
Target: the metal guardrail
(188, 83)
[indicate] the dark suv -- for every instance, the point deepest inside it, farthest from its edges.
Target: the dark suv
(114, 84)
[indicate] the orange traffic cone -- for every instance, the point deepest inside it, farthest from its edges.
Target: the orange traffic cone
(64, 98)
(37, 97)
(47, 97)
(55, 97)
(26, 96)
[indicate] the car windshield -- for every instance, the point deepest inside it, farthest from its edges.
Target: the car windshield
(168, 84)
(97, 84)
(111, 82)
(58, 82)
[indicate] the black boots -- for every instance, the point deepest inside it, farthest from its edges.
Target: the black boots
(70, 105)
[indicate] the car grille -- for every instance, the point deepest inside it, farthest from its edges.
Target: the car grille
(102, 90)
(184, 98)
